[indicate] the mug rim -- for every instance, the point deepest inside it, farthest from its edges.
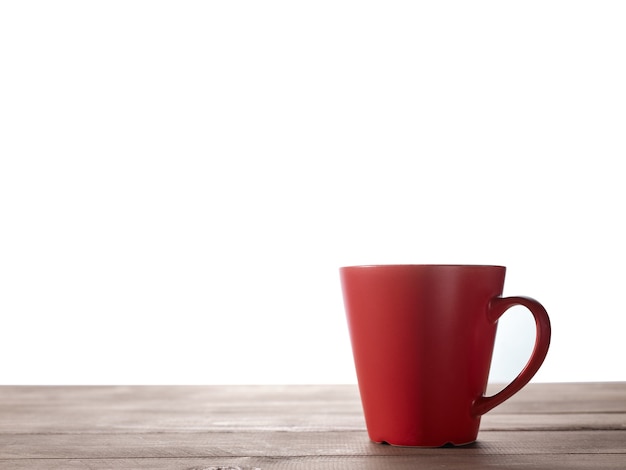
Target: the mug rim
(409, 265)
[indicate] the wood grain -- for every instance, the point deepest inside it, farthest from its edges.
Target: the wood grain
(448, 462)
(279, 427)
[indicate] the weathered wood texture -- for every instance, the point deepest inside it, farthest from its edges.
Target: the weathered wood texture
(551, 426)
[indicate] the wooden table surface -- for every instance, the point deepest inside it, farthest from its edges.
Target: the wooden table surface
(546, 426)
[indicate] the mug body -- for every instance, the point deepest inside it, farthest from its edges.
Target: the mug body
(422, 345)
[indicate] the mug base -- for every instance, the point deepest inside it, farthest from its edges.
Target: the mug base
(427, 446)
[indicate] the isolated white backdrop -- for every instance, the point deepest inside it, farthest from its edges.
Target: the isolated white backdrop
(180, 181)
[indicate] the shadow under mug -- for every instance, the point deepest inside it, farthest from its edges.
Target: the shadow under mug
(422, 339)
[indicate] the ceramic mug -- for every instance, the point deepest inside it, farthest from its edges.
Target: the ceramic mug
(422, 339)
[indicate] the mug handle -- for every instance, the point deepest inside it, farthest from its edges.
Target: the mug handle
(496, 309)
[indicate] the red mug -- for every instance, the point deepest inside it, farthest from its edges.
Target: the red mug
(422, 338)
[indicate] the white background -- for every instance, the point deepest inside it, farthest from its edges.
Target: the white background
(180, 181)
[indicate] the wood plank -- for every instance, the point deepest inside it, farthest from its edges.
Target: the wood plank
(92, 421)
(277, 408)
(137, 409)
(290, 445)
(590, 397)
(400, 462)
(555, 426)
(534, 398)
(553, 422)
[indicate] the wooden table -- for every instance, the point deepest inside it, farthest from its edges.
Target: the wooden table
(546, 426)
